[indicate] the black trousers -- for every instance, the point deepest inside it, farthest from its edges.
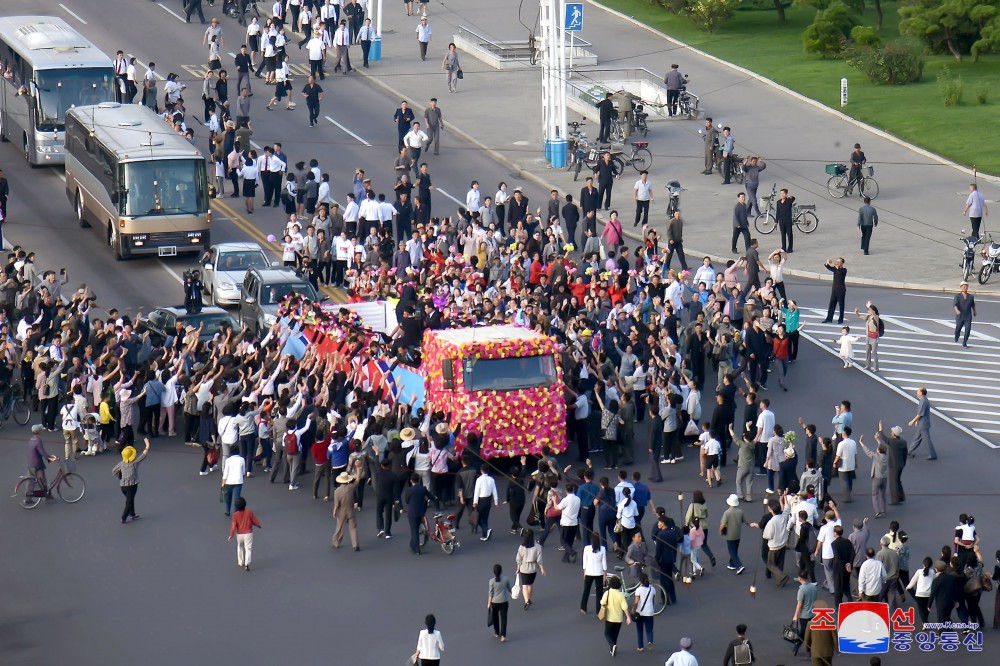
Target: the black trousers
(727, 169)
(602, 136)
(866, 236)
(383, 514)
(499, 615)
(960, 323)
(129, 493)
(837, 297)
(678, 247)
(745, 232)
(641, 213)
(786, 236)
(604, 193)
(313, 112)
(366, 46)
(588, 582)
(316, 69)
(414, 532)
(673, 96)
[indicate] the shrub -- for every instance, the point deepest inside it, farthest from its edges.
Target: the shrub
(982, 92)
(839, 15)
(950, 87)
(891, 64)
(865, 35)
(710, 15)
(824, 38)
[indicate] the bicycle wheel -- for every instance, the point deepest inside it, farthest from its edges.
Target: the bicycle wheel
(738, 173)
(25, 493)
(448, 547)
(422, 535)
(71, 488)
(985, 272)
(618, 132)
(837, 186)
(20, 412)
(659, 598)
(765, 223)
(619, 162)
(807, 222)
(869, 187)
(577, 167)
(642, 159)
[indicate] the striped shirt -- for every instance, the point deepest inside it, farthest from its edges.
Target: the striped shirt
(129, 471)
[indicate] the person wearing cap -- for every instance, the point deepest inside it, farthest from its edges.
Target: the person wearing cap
(879, 474)
(965, 309)
(859, 542)
(683, 657)
(127, 472)
(344, 511)
(730, 526)
(38, 456)
(858, 160)
(897, 450)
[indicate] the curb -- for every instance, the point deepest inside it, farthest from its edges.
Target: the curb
(802, 98)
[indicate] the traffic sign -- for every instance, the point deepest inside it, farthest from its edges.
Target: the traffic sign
(573, 21)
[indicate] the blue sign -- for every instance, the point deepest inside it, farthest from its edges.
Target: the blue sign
(574, 17)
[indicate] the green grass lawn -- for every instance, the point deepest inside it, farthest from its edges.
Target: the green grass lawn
(914, 112)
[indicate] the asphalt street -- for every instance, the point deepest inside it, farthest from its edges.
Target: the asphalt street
(166, 588)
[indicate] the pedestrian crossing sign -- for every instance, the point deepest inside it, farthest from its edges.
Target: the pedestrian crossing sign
(573, 21)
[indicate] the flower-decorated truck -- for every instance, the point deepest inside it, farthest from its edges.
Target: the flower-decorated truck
(503, 382)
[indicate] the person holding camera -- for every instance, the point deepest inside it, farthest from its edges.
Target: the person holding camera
(192, 291)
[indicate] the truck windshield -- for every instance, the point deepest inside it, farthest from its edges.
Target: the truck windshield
(507, 374)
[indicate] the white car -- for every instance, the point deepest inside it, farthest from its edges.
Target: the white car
(224, 267)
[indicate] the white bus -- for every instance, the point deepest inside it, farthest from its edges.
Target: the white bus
(48, 68)
(131, 177)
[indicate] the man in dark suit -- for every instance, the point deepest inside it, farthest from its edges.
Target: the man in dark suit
(415, 499)
(606, 108)
(843, 559)
(666, 537)
(589, 197)
(897, 449)
(606, 171)
(741, 221)
(571, 216)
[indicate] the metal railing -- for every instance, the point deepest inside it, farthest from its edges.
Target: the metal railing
(517, 49)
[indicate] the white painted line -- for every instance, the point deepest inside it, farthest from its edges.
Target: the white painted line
(144, 66)
(943, 359)
(897, 321)
(170, 271)
(172, 13)
(948, 391)
(232, 55)
(348, 131)
(990, 421)
(964, 402)
(253, 144)
(892, 368)
(72, 13)
(992, 432)
(909, 396)
(963, 388)
(947, 298)
(460, 203)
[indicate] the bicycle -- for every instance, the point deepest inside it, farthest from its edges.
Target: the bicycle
(15, 406)
(640, 159)
(69, 485)
(803, 216)
(659, 595)
(839, 184)
(443, 532)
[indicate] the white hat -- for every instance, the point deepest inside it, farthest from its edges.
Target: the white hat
(896, 431)
(733, 500)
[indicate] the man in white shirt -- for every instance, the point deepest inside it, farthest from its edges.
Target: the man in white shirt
(623, 483)
(342, 253)
(765, 428)
(233, 472)
(415, 140)
(824, 546)
(386, 211)
(423, 37)
(121, 70)
(485, 493)
(366, 36)
(642, 194)
(871, 577)
(569, 521)
(316, 47)
(846, 461)
(472, 202)
(368, 214)
(682, 657)
(351, 211)
(341, 42)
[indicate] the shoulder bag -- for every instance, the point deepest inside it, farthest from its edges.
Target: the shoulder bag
(635, 614)
(790, 633)
(603, 612)
(460, 74)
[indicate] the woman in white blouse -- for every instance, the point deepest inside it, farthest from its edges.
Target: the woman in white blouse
(500, 201)
(248, 172)
(595, 566)
(920, 584)
(628, 510)
(430, 645)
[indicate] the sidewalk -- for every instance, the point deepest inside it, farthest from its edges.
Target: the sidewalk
(920, 202)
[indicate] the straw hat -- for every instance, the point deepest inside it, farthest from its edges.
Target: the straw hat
(128, 454)
(344, 477)
(407, 434)
(442, 428)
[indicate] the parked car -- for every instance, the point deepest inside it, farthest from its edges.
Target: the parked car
(224, 266)
(262, 293)
(162, 322)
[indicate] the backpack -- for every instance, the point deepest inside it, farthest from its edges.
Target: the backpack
(881, 327)
(742, 654)
(291, 444)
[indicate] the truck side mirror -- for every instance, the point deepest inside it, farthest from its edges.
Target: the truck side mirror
(448, 373)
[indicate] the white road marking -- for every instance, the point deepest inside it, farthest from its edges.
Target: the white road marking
(172, 13)
(897, 321)
(976, 335)
(947, 298)
(974, 434)
(348, 131)
(72, 13)
(460, 203)
(253, 144)
(143, 65)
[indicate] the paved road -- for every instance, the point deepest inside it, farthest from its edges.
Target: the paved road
(82, 583)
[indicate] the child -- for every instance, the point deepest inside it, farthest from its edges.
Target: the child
(106, 420)
(91, 435)
(697, 540)
(846, 342)
(712, 450)
(702, 439)
(684, 548)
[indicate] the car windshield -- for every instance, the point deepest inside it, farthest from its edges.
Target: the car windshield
(506, 374)
(58, 90)
(272, 294)
(241, 260)
(211, 321)
(165, 187)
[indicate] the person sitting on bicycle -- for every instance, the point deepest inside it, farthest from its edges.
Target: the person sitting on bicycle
(858, 160)
(37, 455)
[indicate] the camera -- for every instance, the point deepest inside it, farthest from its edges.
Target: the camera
(190, 275)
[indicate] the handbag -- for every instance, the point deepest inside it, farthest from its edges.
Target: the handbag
(618, 526)
(987, 583)
(603, 612)
(460, 74)
(635, 613)
(515, 590)
(212, 457)
(790, 633)
(412, 660)
(489, 617)
(473, 518)
(691, 429)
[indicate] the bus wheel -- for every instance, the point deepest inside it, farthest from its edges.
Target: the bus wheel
(80, 215)
(3, 130)
(114, 241)
(27, 152)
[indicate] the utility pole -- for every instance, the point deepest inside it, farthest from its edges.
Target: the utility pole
(553, 39)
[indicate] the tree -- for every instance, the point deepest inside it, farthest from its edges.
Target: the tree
(710, 15)
(989, 40)
(830, 31)
(952, 26)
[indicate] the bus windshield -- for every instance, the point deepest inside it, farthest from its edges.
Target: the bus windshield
(164, 187)
(58, 90)
(507, 374)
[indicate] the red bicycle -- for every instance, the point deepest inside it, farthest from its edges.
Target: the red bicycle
(68, 485)
(443, 532)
